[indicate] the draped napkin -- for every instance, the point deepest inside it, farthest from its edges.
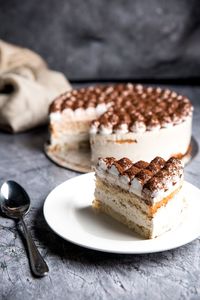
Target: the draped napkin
(27, 87)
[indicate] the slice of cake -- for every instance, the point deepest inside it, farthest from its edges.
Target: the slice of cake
(147, 197)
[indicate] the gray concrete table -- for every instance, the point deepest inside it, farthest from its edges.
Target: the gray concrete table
(75, 272)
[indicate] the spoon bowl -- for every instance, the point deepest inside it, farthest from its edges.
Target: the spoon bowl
(15, 203)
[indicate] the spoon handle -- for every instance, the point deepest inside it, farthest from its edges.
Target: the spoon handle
(37, 263)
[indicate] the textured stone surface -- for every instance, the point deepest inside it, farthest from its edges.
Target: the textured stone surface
(108, 39)
(75, 272)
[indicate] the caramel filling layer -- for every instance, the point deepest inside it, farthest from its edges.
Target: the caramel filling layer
(127, 141)
(163, 202)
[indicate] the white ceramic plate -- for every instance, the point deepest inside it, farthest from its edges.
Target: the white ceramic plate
(68, 212)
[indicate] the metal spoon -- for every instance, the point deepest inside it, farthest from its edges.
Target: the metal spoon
(15, 203)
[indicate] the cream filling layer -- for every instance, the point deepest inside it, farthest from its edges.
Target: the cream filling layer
(164, 219)
(70, 139)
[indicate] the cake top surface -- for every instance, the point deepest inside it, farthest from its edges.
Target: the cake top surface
(130, 108)
(152, 177)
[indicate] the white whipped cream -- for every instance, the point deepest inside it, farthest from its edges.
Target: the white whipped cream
(139, 127)
(101, 109)
(122, 129)
(106, 130)
(79, 112)
(55, 116)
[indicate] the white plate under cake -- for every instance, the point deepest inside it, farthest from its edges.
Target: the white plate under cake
(122, 120)
(71, 216)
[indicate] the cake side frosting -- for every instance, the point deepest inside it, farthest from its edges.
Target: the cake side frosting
(166, 142)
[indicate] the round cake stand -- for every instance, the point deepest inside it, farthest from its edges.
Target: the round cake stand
(76, 160)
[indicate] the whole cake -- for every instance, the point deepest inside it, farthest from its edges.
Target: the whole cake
(122, 120)
(147, 197)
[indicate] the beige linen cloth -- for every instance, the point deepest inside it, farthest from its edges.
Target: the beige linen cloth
(27, 87)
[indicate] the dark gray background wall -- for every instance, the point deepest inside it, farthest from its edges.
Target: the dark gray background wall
(108, 39)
